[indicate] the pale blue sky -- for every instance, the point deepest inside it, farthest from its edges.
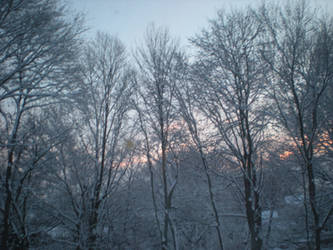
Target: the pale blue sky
(128, 19)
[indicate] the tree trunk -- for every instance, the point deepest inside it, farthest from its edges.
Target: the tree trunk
(211, 196)
(166, 200)
(6, 214)
(92, 228)
(253, 215)
(313, 205)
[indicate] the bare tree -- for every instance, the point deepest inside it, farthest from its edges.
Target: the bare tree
(229, 81)
(159, 63)
(191, 115)
(37, 49)
(32, 156)
(96, 165)
(299, 52)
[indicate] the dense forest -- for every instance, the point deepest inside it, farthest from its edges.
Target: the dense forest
(226, 145)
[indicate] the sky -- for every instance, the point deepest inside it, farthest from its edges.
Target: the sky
(128, 19)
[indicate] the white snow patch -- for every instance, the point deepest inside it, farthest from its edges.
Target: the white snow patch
(294, 199)
(265, 215)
